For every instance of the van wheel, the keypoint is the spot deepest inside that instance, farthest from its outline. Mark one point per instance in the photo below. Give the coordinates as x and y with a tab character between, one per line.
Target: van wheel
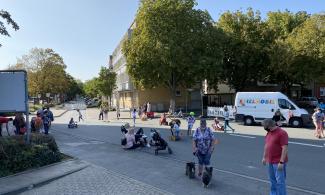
295	122
248	120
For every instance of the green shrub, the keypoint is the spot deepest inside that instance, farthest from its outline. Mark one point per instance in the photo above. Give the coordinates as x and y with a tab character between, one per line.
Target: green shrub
16	156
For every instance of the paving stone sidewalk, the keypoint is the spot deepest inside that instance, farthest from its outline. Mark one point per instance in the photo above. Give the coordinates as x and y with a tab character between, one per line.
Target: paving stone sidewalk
95	180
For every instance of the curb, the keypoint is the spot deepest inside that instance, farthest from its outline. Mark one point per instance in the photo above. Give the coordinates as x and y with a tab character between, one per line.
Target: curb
28	186
62	113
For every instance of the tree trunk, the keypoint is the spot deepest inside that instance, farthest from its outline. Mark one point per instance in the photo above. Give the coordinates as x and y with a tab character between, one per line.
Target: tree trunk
173	94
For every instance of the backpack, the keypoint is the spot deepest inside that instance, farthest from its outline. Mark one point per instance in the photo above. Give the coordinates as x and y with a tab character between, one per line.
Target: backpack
38	123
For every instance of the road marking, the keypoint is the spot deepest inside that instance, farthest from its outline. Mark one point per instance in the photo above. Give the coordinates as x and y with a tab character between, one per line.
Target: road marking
266	181
220	170
304	144
245	136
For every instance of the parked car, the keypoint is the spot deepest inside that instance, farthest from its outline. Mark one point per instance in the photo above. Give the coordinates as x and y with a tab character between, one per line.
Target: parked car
93	103
307	102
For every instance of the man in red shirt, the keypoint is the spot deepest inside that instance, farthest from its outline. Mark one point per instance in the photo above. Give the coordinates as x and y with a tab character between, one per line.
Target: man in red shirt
276	155
4	120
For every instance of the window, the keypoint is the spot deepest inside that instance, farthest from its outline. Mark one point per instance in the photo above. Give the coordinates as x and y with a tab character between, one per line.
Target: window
285	104
322	91
178	93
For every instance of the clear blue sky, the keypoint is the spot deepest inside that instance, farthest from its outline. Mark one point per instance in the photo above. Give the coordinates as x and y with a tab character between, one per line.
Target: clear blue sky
85	32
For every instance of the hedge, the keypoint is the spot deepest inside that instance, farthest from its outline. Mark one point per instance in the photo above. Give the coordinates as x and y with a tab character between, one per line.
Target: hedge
16	156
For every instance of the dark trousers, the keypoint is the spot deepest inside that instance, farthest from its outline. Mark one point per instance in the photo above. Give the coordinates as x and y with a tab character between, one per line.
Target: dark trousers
46	128
227	125
101	116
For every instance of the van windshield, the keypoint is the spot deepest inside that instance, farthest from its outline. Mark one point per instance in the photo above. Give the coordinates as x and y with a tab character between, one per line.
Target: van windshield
285	104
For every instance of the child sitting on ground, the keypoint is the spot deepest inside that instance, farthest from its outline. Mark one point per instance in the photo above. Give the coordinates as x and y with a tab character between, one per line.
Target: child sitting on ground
72	124
217	126
163	120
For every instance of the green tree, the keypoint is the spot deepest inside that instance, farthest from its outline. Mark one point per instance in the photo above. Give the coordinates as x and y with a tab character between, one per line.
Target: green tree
6	17
296	52
172	45
281	24
75	87
46	72
245	48
91	88
106	82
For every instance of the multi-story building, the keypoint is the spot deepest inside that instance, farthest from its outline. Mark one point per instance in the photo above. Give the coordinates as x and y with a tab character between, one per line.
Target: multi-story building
127	96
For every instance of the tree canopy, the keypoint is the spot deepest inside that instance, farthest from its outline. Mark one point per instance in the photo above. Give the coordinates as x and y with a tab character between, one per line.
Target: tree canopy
5	17
46	73
172	45
245	48
106	81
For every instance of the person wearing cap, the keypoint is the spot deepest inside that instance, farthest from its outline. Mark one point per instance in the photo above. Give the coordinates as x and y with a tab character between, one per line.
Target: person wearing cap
276	156
203	145
190	123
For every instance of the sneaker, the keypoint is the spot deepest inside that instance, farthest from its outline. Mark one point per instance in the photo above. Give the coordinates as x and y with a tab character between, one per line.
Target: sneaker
148	145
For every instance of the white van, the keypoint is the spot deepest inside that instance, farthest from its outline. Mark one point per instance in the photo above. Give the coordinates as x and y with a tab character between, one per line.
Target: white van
254	107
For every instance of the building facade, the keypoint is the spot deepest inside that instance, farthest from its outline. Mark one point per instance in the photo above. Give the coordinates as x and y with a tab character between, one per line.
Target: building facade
127	96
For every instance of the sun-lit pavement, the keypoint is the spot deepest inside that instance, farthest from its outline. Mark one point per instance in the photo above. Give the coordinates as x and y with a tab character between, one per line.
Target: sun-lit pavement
237	159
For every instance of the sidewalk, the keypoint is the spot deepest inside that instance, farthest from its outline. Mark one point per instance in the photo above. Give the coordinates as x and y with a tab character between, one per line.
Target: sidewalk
96	180
22	181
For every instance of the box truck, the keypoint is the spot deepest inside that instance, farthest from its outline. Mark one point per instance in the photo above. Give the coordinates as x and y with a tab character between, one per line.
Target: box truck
254	107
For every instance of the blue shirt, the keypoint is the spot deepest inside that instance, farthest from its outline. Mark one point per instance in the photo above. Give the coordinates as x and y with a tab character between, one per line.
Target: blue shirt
191	120
204	139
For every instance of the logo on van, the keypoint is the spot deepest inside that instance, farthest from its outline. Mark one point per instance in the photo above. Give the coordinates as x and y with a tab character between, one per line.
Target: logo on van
243	102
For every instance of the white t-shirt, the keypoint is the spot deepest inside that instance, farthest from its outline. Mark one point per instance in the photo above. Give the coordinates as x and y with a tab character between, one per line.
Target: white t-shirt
226	115
134	114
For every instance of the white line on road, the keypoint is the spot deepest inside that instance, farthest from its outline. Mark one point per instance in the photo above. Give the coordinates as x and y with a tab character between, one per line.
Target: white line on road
304	144
245	136
266	181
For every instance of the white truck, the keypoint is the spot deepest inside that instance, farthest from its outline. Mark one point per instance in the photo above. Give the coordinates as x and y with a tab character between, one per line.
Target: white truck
254	107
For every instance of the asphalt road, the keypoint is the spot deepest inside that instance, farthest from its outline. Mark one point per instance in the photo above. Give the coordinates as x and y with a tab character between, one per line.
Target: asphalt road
237	160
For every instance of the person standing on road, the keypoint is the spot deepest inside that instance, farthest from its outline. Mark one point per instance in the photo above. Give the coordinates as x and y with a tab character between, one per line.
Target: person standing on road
226	115
148	107
50	116
80	115
318	118
276	156
46	122
190	123
118	114
101	113
203	145
134	115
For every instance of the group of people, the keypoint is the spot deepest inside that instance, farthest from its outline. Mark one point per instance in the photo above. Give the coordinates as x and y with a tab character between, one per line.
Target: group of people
19	123
42	121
